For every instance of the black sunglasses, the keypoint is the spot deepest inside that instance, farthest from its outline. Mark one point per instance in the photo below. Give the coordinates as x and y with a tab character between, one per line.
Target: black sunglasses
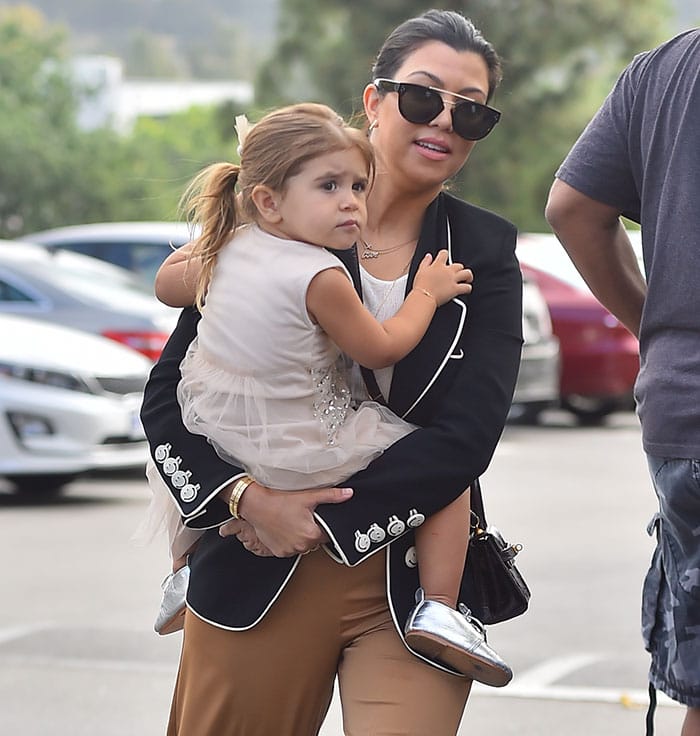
418	104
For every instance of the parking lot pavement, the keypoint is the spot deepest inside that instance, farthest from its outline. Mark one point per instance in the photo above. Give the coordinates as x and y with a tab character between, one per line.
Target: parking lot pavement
78	657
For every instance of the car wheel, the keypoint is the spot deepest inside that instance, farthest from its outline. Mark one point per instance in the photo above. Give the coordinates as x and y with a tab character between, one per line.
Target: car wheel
589	411
40	486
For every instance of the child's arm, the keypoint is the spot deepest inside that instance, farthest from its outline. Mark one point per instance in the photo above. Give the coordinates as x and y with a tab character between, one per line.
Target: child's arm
334	304
176	280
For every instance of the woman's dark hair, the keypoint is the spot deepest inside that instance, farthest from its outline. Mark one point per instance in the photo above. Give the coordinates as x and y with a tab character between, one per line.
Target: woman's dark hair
446	26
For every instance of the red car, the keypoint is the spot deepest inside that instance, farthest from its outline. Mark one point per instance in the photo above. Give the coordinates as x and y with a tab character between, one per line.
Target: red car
599	357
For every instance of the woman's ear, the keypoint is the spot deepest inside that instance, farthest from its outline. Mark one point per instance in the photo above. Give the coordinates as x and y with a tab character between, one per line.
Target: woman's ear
266	201
370	99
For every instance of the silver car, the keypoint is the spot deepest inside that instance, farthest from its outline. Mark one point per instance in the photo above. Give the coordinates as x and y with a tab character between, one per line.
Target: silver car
69	404
538	380
84	293
139	247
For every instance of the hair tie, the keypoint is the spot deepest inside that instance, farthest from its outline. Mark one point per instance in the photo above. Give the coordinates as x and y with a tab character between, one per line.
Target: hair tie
243	127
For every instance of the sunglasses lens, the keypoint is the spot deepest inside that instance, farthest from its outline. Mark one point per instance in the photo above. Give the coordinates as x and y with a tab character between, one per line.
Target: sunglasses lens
419	104
473	121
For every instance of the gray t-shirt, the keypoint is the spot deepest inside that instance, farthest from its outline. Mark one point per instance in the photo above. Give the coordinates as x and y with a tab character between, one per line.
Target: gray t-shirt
641	153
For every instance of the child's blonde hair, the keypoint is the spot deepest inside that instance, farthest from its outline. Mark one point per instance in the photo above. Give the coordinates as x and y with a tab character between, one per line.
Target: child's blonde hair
274	150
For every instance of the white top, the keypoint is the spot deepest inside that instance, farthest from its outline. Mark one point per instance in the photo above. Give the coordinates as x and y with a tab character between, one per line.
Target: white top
264	383
383	299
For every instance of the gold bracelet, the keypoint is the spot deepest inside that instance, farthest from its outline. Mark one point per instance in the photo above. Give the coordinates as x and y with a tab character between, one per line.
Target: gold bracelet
239	488
427	293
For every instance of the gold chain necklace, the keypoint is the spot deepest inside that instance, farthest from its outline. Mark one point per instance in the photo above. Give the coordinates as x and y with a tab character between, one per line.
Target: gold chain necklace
388	292
369	251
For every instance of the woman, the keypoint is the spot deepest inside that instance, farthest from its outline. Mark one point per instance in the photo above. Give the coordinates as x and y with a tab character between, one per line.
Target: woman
269	627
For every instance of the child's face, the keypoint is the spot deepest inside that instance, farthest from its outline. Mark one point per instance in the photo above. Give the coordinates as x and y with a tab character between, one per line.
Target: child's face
326	202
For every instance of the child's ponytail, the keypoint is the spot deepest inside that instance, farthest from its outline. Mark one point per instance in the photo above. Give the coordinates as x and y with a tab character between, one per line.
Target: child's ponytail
210	203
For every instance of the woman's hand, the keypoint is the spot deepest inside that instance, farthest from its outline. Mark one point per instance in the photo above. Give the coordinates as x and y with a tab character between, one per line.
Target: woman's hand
246	535
282	521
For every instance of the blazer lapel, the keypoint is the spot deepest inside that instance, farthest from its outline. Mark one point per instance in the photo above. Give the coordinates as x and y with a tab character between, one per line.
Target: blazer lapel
349	259
414	375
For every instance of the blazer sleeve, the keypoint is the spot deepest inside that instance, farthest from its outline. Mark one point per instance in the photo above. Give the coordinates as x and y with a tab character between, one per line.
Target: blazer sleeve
429	468
174	447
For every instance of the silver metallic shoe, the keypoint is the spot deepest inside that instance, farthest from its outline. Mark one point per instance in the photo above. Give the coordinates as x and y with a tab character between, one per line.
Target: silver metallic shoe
456	639
171	616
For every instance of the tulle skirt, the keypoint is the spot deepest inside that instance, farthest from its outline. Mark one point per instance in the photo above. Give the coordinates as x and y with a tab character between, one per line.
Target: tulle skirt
288	431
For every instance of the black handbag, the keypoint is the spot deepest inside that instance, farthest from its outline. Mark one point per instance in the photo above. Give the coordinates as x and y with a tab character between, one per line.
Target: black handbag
493	588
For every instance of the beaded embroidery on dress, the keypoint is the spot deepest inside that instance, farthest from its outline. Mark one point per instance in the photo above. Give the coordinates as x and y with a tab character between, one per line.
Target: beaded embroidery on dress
265	384
333	400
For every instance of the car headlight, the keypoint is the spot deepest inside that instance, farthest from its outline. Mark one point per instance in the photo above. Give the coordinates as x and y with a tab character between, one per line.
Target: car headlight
57	379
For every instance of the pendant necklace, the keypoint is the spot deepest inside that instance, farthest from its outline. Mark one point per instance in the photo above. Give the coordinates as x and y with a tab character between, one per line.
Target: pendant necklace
369	251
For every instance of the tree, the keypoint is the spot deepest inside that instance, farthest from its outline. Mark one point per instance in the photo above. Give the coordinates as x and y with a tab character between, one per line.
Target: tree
52	172
174	149
559	56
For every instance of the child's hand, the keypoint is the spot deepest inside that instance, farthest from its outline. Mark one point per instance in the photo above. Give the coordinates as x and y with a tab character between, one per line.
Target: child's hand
441	280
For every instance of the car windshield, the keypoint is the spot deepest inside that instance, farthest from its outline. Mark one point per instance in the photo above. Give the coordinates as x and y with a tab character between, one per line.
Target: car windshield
87	279
94	280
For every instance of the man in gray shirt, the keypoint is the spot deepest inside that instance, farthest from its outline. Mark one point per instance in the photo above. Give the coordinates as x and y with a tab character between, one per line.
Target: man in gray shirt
640	157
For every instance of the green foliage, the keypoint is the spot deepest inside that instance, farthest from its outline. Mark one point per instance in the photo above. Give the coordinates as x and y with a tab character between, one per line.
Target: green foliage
559	56
54	174
174	149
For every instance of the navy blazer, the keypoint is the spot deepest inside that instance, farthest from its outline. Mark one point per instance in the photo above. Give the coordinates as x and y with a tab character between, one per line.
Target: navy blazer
456	385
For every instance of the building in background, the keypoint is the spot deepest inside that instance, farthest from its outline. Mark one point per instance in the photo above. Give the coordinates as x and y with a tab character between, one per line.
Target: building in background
107	99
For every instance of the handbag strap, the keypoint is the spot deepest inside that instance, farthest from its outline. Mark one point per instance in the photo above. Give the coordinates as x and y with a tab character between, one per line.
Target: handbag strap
373	389
477	503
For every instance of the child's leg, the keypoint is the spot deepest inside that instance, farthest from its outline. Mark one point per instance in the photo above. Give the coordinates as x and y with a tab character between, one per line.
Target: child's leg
441	548
180	562
435	627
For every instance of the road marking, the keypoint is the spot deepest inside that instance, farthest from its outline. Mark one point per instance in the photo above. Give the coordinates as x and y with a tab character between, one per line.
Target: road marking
554	669
80	663
628	698
536	684
19	632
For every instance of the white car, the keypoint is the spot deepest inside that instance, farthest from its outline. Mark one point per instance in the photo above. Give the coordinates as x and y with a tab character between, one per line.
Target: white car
69	404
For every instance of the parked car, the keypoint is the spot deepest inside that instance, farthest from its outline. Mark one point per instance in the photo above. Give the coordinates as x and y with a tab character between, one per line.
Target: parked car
537	387
599	356
137	246
69	403
77	291
142	247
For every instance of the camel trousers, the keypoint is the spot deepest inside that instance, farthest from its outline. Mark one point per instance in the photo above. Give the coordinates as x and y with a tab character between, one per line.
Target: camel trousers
277	678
